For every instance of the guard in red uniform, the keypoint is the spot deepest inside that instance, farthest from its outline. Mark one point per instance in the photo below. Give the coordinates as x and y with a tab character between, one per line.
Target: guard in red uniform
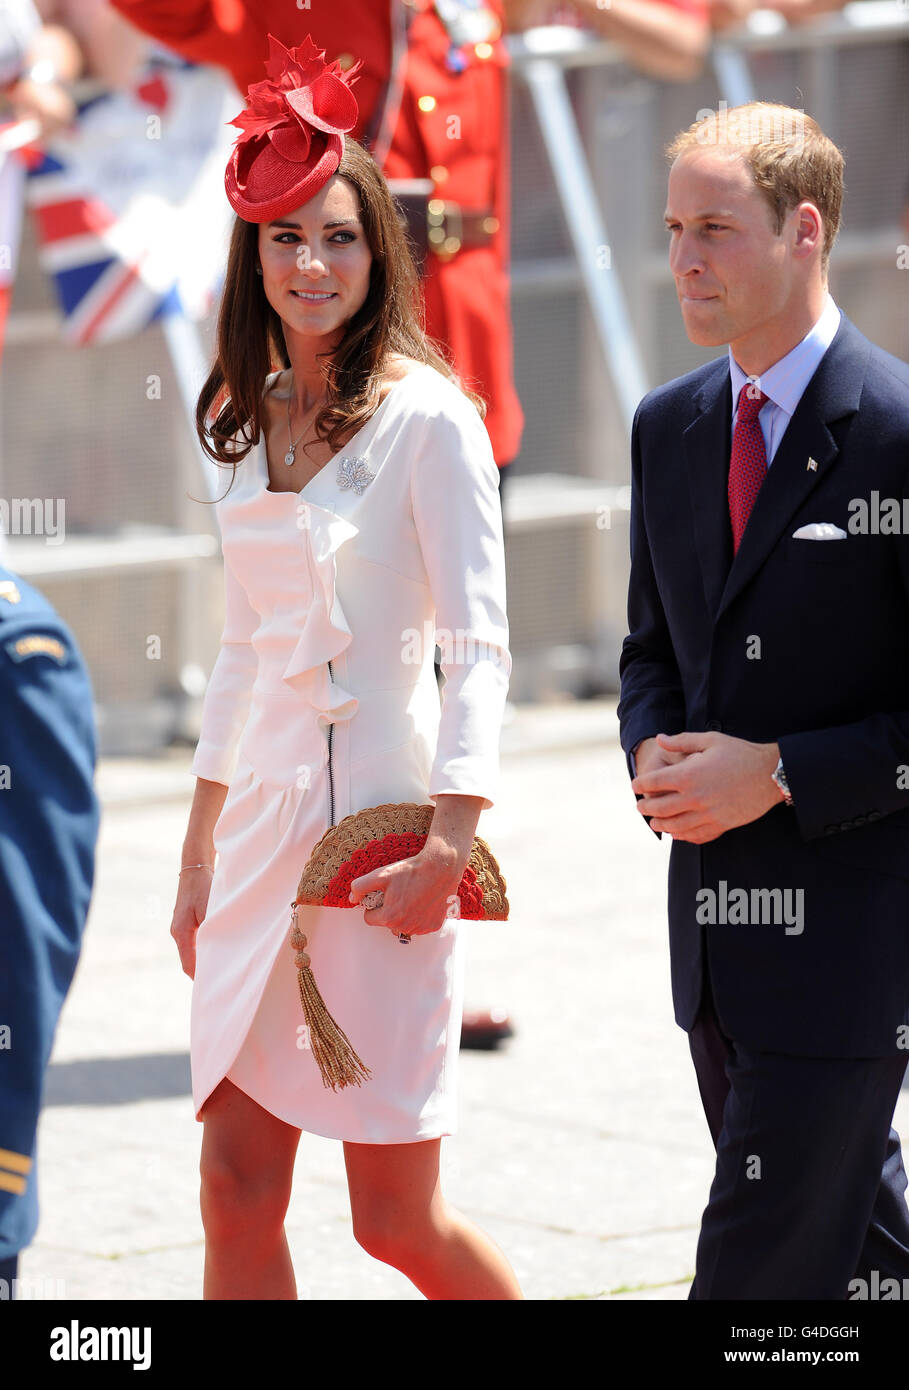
433	101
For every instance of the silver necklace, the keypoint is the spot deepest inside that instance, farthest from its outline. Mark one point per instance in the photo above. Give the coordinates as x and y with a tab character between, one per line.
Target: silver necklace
292	444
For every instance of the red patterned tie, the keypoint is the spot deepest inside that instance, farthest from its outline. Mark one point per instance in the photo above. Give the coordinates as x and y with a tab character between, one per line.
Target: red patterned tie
748	463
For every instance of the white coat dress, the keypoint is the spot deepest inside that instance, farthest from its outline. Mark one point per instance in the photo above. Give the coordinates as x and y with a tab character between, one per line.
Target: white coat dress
397	536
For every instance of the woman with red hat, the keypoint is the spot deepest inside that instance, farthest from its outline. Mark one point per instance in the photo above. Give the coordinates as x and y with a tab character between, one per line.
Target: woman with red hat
361	521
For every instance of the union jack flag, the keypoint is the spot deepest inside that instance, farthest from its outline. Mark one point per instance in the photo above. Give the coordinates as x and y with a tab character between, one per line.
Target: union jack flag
129	203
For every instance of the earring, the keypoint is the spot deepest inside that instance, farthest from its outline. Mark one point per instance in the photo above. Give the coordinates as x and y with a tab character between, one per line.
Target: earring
258	270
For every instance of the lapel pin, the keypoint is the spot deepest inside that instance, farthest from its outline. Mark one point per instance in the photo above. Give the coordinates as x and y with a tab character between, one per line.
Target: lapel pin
812	465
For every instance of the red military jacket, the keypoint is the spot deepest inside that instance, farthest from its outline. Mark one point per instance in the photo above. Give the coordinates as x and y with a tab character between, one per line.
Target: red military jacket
452	127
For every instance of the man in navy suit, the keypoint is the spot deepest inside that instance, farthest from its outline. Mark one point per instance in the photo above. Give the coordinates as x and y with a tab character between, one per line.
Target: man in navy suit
765	715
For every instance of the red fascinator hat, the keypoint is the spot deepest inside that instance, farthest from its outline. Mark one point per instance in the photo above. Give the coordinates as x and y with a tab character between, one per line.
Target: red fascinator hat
292	132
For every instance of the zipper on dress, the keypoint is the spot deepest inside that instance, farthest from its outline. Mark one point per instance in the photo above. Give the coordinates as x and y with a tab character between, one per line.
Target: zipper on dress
331	783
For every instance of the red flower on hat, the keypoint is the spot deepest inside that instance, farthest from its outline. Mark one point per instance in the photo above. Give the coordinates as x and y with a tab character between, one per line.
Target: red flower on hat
292	132
302	93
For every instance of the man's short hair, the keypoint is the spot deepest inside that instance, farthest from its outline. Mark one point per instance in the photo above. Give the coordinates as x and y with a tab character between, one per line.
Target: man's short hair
790	157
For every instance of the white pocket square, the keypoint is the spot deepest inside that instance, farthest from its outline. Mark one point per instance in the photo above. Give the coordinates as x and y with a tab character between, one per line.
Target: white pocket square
819	531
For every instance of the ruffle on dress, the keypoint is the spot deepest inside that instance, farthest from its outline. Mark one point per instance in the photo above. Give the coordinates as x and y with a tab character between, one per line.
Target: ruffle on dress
326	632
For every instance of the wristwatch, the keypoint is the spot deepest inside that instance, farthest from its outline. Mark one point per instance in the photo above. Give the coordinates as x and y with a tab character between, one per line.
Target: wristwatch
779	776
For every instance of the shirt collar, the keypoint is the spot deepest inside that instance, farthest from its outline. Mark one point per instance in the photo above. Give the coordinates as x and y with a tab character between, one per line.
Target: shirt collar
786	380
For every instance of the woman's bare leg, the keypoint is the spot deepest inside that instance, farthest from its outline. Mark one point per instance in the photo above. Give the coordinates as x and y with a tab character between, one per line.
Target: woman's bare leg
401	1218
247	1168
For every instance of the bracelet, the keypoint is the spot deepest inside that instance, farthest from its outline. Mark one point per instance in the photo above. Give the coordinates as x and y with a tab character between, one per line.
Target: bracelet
196	866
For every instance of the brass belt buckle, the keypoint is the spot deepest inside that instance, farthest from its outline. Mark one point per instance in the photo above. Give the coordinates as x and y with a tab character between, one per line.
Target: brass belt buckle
446	228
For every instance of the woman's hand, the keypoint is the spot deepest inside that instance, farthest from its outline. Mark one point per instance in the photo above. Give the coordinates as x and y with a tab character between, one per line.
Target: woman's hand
45	102
55	49
194	883
420	892
192	903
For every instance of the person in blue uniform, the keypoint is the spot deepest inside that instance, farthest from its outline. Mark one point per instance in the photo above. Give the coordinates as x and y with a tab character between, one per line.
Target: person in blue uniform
49	819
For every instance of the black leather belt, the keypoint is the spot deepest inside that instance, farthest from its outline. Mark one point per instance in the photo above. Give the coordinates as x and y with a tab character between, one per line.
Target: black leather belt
438	225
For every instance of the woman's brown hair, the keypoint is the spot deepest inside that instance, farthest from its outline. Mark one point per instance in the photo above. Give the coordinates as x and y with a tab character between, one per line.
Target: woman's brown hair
251	338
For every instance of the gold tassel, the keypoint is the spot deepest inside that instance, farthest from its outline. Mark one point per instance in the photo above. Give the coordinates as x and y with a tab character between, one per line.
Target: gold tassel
335	1057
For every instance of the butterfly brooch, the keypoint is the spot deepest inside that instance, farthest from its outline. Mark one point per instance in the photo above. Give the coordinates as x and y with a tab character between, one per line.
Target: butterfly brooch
352	472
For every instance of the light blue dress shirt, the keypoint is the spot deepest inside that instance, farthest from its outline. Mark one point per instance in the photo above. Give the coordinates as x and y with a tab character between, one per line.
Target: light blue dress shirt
784	383
786	380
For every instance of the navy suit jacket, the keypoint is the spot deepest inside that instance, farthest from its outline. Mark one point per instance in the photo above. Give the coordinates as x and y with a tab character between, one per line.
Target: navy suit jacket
830	684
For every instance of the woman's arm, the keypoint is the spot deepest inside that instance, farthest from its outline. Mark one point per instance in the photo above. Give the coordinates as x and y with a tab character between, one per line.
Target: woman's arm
234	38
454	824
661	40
110	47
197	866
224	714
422	891
225	708
50	60
198	842
458	519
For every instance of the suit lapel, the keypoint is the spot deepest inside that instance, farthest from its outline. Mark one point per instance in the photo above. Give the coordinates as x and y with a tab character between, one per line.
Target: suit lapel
833	392
706	442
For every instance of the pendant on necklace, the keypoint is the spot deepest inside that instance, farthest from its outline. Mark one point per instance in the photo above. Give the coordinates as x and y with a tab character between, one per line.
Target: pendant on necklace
289	458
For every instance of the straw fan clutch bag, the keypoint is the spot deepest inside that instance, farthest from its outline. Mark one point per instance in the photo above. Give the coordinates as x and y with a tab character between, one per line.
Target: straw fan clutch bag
356	845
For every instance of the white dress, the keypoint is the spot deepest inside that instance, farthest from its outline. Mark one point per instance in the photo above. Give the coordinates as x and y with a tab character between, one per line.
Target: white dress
398	535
